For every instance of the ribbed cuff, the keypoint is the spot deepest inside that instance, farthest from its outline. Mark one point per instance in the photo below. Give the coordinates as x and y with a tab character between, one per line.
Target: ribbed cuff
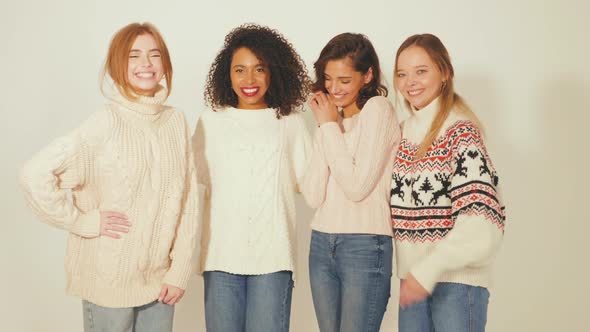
178	275
426	273
87	225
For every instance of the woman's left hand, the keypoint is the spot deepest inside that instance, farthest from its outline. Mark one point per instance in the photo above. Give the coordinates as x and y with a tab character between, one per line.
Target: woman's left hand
170	294
323	108
410	291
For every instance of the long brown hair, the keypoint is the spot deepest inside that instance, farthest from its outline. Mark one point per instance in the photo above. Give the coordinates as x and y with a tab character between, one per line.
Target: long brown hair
361	52
449	100
117	61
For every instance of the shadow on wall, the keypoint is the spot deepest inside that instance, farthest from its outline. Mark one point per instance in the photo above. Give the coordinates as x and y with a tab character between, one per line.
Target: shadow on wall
536	144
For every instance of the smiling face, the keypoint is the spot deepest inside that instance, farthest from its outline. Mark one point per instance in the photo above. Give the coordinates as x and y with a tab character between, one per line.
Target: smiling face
144	69
418	78
343	83
250	79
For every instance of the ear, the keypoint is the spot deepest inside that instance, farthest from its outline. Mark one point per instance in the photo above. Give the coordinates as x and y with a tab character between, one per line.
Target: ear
368	77
445	77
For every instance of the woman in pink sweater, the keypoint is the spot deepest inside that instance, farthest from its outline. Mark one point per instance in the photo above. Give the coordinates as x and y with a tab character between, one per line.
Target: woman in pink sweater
348	182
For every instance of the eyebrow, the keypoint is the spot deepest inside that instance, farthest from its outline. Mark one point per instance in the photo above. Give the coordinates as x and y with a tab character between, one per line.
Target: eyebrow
244	66
325	74
152	50
419	66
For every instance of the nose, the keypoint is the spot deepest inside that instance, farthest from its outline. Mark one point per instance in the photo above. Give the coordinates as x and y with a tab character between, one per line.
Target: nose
411	79
332	87
146	61
250	77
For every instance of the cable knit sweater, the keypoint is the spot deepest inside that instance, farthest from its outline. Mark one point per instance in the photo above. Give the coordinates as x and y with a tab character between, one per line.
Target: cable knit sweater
133	158
349	174
250	163
446	209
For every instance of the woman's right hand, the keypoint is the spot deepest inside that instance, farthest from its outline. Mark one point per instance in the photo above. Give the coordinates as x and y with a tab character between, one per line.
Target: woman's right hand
323	108
112	223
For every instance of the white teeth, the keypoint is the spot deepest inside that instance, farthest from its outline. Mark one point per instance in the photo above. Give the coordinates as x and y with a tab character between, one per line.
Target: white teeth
145	75
338	96
248	91
414	92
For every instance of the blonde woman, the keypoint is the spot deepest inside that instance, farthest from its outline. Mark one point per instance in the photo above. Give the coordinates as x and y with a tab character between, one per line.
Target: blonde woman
448	219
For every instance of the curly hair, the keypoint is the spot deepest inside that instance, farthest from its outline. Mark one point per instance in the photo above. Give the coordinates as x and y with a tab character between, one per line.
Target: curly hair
289	80
359	49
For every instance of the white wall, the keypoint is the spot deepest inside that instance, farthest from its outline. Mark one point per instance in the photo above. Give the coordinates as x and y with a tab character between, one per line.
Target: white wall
522	65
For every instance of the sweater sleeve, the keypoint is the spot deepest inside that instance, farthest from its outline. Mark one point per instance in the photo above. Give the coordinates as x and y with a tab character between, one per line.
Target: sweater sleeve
188	229
200	160
476	208
315	180
379	133
301	149
64	165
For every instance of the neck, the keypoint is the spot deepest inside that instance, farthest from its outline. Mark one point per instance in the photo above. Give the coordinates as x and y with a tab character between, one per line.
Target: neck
350	111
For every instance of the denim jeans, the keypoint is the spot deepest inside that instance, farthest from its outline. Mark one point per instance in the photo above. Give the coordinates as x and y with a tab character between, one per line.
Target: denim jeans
451	307
350	277
152	317
250	303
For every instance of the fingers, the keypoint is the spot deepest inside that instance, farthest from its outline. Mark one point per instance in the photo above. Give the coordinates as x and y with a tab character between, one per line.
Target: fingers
112	227
313	104
323	99
173	296
408	296
163	293
179	297
114	215
110	234
170	296
319	101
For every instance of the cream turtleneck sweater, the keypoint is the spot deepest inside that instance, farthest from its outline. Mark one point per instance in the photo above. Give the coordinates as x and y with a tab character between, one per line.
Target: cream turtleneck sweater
133	158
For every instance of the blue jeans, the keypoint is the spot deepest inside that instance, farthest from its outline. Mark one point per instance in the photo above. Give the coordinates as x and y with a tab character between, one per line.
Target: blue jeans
451	307
251	303
152	317
350	277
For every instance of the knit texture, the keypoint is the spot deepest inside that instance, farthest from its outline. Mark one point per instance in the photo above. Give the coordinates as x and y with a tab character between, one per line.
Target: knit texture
133	158
250	163
349	174
446	209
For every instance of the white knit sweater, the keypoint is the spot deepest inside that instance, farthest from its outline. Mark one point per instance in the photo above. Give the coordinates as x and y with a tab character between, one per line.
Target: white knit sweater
133	158
250	163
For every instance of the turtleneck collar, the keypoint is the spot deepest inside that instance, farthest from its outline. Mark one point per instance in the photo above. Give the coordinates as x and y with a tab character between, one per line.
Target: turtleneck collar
144	105
426	115
417	125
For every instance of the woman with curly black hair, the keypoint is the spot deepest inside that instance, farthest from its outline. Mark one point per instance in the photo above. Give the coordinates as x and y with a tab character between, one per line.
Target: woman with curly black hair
348	181
251	149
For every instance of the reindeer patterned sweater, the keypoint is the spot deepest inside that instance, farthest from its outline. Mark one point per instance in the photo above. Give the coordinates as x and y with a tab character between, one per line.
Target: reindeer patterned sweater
133	158
446	209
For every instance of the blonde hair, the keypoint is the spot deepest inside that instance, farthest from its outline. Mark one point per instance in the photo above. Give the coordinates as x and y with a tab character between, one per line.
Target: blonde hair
449	101
117	60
